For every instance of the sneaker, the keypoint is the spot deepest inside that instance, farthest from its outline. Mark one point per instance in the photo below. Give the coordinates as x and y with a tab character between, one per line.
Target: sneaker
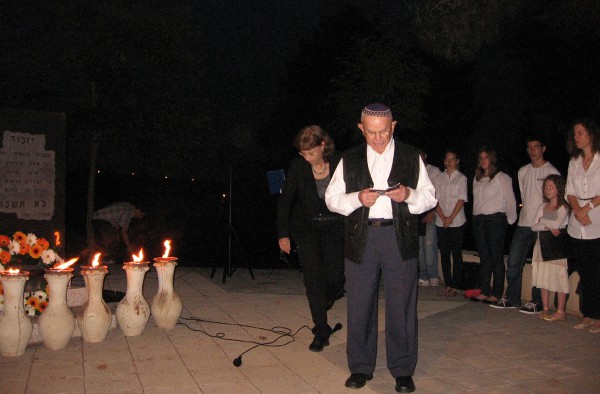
503	303
531	308
423	282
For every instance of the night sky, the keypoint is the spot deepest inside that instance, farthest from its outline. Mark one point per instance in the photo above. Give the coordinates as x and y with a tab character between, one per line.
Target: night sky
186	88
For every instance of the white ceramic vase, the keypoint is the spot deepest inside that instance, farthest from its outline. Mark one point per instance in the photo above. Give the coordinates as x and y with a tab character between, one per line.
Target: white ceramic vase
133	311
15	325
166	305
94	321
57	323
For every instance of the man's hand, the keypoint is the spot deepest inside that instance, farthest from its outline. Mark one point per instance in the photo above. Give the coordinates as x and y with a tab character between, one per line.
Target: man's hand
367	197
555	232
284	245
400	194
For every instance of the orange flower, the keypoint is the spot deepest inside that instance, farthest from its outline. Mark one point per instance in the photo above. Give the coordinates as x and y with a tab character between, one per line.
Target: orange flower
4	240
33	302
42	306
20	237
43	243
35	251
4	257
24	248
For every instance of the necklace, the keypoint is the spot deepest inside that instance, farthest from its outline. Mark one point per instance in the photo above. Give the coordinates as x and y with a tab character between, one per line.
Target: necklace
586	166
319	173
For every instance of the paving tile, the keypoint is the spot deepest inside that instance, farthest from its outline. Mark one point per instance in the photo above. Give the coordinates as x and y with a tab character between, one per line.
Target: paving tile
291	385
463	347
104	368
548	386
166	379
51	384
228	388
475	381
218	375
113	382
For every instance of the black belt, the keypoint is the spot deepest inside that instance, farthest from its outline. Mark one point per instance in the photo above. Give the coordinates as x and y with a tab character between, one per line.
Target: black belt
381	223
320	218
585	199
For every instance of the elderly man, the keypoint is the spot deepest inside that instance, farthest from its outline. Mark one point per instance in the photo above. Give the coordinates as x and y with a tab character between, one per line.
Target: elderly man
381	187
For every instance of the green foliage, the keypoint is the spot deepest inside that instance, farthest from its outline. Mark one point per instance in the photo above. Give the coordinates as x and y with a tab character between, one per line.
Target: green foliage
382	68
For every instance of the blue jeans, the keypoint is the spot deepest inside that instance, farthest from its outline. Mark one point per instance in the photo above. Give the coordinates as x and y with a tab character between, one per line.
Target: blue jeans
489	232
428	253
520	245
450	244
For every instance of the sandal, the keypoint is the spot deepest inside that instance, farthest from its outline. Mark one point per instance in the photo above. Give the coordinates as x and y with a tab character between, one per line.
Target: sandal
558	316
584	324
595	329
545	313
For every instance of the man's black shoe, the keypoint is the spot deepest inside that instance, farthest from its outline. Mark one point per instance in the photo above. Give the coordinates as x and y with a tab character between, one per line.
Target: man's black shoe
357	380
405	384
318	344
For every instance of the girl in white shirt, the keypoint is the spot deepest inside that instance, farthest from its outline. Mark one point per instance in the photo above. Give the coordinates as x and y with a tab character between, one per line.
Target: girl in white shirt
494	208
549	262
451	193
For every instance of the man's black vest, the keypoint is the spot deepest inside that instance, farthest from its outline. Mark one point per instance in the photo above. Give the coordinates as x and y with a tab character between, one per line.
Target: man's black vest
405	169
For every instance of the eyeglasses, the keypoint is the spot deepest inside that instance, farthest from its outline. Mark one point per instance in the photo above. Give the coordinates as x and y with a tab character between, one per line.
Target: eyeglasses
310	152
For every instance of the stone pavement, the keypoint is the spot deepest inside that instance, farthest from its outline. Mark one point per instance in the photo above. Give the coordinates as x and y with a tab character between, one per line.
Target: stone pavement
463	347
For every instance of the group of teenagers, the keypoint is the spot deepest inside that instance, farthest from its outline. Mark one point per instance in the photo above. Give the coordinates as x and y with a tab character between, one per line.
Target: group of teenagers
558	218
354	219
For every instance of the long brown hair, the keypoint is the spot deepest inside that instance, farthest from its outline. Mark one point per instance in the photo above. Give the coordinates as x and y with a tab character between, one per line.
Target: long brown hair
313	136
592	128
492	158
560	183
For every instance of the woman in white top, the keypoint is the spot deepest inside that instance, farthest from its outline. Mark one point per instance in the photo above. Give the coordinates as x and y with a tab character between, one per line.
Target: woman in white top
583	194
451	193
494	208
549	262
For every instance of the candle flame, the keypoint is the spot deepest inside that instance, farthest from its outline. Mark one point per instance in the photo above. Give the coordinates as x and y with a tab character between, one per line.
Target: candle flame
57	235
96	262
66	264
13	271
139	257
167	248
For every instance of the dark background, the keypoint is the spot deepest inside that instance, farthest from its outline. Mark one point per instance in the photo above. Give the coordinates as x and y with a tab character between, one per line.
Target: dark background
179	92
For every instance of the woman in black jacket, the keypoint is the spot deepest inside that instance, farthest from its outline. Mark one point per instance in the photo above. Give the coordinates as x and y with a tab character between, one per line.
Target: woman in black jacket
318	233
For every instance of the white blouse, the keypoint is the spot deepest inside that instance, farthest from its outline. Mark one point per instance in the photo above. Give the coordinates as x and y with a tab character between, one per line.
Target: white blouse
541	223
585	186
495	196
448	190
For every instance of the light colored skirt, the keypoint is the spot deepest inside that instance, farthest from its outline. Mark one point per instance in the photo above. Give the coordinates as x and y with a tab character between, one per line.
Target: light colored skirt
550	275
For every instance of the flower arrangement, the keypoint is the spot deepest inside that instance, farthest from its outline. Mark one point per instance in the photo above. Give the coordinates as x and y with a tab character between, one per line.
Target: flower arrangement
27	249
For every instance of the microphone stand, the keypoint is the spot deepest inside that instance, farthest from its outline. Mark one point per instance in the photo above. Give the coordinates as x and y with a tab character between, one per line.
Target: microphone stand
228	270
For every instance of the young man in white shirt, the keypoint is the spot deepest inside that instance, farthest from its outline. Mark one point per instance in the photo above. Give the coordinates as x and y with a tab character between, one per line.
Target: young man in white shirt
531	178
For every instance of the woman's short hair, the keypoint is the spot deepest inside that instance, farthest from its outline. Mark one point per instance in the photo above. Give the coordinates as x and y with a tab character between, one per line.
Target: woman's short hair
312	136
493	159
592	128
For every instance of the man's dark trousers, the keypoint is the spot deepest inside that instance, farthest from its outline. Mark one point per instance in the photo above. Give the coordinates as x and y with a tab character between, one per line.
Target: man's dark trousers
400	285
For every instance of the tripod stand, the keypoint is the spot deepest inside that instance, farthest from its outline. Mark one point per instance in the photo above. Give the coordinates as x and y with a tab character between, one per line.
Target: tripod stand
229	269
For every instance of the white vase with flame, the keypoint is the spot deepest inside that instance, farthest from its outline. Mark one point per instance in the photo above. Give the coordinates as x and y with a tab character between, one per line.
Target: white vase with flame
57	323
133	311
166	305
15	325
94	321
